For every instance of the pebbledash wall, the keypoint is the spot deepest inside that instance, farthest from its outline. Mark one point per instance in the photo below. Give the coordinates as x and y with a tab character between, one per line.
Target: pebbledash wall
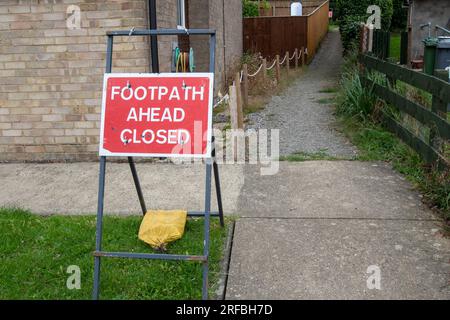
51	76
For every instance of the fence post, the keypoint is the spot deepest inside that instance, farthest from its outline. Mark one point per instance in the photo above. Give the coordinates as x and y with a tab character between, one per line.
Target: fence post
287	62
240	112
303	58
404	48
245	85
264	69
277	69
440	108
233	107
370	40
296	58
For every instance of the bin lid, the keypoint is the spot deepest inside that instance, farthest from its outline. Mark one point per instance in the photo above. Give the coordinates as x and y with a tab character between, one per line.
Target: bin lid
430	42
443	42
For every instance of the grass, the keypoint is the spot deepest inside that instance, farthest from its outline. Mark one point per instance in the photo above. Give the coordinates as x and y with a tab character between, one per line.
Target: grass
329	90
36	252
306	156
395	46
325	101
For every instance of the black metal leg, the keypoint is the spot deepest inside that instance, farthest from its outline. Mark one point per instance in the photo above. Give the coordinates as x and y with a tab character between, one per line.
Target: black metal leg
218	193
206	231
217	182
98	241
137	184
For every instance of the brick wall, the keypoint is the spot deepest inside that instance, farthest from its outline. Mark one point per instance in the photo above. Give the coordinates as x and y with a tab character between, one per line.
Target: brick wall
51	76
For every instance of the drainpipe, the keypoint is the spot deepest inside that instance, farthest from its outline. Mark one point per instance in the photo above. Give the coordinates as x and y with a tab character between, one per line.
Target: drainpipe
153	39
224	45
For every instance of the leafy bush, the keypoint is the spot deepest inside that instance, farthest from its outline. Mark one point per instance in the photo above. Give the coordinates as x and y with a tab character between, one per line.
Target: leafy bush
350	31
400	16
354	12
250	8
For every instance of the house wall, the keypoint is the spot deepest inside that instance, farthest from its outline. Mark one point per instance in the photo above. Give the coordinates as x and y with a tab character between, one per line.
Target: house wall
51	76
423	11
211	14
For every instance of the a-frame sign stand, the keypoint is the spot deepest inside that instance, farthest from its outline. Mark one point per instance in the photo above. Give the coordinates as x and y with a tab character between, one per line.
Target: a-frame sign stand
211	168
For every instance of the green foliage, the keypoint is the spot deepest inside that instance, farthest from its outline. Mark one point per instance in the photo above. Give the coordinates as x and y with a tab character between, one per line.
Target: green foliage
353	99
306	156
350	31
250	8
36	252
352	13
395	47
400	16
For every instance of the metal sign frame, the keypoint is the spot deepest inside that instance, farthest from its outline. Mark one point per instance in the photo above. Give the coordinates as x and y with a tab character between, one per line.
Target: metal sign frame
207	154
211	168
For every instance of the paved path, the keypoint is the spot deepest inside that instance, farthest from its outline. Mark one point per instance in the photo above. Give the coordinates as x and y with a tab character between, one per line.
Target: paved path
72	188
313	230
306	123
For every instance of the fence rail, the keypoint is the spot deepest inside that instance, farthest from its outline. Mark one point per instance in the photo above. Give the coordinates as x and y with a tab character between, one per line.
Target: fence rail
238	93
435	119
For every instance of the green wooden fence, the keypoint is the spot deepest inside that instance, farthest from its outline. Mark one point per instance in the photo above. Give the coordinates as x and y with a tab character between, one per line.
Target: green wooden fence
381	44
435	119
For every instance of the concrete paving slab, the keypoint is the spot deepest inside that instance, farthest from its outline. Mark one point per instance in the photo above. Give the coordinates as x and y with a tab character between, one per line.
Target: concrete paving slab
72	188
329	259
333	189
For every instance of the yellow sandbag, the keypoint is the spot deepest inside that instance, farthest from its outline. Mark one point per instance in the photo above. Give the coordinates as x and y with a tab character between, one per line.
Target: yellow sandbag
158	228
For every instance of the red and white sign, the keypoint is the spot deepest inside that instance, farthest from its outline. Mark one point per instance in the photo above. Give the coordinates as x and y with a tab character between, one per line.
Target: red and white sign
157	115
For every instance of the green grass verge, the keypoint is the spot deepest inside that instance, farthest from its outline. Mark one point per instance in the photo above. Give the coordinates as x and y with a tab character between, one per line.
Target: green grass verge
305	156
36	251
395	46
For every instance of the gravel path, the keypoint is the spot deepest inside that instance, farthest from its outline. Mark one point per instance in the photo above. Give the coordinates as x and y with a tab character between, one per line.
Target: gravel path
305	124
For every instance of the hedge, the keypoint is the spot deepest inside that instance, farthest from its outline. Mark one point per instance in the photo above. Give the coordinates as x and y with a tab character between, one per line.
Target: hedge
354	12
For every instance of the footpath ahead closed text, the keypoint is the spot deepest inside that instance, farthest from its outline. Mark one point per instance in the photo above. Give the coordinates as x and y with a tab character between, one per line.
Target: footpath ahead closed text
157	115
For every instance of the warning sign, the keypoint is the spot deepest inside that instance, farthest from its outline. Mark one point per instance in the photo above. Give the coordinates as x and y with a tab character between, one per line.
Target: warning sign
157	115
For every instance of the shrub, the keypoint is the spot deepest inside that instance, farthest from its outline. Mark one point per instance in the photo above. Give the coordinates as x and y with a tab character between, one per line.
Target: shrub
400	16
250	8
354	100
350	31
354	12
